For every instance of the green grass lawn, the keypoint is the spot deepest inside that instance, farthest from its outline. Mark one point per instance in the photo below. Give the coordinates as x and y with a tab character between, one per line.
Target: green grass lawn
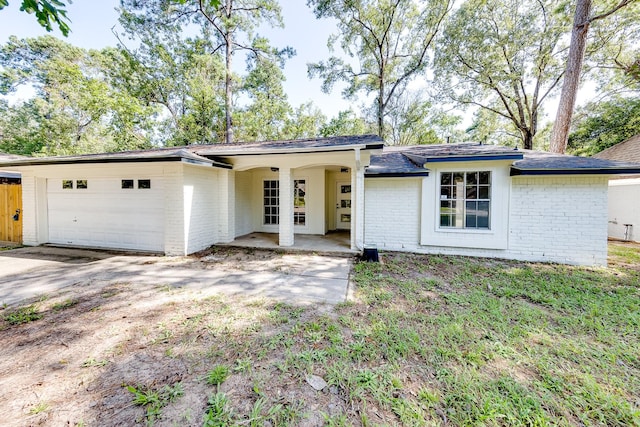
437	340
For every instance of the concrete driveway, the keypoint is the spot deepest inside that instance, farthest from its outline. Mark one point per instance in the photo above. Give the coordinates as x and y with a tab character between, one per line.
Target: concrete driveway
27	273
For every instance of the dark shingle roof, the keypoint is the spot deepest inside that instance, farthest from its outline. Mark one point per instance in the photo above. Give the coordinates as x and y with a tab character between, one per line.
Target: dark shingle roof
392	163
302	145
156	155
210	154
542	163
411	160
626	151
4	157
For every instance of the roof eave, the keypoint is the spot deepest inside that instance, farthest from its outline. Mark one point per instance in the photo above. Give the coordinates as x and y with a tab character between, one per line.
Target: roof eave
284	150
473	158
396	174
576	171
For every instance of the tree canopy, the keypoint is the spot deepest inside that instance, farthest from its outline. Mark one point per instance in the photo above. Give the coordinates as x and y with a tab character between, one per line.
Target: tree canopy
387	42
78	108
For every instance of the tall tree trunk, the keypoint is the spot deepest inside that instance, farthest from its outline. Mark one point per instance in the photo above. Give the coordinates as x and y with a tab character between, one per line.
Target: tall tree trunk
560	133
228	93
527	138
381	109
228	89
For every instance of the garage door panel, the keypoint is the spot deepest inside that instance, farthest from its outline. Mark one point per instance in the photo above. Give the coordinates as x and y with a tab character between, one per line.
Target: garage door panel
106	215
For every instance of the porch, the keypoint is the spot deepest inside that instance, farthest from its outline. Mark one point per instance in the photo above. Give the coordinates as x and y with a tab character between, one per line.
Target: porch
332	242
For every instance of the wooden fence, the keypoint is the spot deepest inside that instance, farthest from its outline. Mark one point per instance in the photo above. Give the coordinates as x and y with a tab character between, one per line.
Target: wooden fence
11	213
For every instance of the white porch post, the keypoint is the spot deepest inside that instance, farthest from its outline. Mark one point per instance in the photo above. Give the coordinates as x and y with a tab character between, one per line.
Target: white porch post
285	228
357	208
226	206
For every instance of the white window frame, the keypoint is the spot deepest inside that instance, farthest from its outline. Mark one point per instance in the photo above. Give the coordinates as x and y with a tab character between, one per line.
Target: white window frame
462	199
497	237
270	205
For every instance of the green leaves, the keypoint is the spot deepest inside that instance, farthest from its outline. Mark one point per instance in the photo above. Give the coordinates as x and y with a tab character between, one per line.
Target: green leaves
79	105
48	12
388	41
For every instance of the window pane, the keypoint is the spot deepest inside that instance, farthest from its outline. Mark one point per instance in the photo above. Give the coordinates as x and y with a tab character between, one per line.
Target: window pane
67	184
472	178
445	179
485	177
445	192
81	184
472	192
484	193
445	221
127	183
458	177
144	183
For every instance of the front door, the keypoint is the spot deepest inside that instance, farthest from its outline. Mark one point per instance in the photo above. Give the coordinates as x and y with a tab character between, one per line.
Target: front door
343	205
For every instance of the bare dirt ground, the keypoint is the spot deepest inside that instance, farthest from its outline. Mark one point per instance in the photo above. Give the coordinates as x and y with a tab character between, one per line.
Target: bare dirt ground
72	365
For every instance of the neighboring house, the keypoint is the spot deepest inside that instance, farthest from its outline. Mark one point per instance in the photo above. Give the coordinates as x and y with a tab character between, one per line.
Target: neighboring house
457	199
624	192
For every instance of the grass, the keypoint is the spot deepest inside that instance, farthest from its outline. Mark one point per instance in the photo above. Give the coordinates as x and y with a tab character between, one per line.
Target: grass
22	315
463	341
429	340
154	400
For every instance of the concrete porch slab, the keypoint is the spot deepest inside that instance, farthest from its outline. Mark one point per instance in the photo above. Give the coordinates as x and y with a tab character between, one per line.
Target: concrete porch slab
332	242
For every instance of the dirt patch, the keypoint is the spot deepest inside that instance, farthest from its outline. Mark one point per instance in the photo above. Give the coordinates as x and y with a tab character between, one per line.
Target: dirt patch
94	339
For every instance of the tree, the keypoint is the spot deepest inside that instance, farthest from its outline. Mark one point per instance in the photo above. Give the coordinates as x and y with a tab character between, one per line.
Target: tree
228	26
581	22
266	116
48	12
347	123
387	39
505	57
75	110
598	126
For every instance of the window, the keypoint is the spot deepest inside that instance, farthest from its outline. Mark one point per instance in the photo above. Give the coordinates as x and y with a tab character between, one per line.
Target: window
67	184
465	199
81	184
271	202
144	183
127	183
299	202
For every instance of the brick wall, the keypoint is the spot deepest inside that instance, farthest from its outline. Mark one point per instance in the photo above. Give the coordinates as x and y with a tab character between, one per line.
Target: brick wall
392	213
551	219
201	218
559	219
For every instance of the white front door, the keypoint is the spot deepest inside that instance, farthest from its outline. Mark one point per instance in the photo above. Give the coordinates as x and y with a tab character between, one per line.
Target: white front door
343	211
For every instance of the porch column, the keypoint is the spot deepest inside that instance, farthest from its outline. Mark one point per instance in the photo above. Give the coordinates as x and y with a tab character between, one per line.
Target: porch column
285	228
226	206
357	208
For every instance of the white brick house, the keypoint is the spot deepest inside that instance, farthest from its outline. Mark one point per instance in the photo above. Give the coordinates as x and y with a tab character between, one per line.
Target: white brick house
459	199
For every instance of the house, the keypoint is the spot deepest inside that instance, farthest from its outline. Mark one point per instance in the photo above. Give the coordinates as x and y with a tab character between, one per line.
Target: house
624	192
465	199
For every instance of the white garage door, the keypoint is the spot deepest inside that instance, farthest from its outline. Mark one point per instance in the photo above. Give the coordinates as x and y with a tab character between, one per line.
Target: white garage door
107	212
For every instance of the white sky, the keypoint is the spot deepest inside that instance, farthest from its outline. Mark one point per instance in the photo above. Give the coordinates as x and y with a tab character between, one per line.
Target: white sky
92	20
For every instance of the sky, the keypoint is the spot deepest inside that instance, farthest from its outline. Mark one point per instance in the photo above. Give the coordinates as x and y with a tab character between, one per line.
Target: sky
92	21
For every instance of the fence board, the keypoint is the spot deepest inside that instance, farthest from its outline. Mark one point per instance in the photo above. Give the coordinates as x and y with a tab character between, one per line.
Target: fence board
10	202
